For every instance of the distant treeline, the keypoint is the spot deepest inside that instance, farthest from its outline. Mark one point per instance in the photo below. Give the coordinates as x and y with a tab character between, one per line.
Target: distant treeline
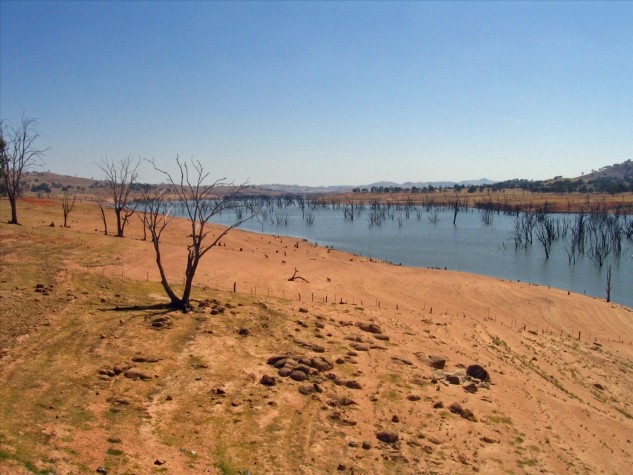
596	185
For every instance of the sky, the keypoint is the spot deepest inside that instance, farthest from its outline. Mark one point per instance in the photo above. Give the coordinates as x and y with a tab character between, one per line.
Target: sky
320	93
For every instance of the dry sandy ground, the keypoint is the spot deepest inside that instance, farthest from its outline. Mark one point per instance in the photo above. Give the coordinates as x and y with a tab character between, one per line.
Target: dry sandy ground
194	401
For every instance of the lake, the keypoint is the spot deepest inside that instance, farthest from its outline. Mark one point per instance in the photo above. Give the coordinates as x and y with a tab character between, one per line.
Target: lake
468	246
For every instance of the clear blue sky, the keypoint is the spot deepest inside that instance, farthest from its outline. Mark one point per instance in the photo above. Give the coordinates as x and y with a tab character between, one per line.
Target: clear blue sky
319	93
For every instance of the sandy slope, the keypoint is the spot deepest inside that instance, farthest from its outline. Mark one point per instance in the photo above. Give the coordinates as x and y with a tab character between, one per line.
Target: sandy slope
543	412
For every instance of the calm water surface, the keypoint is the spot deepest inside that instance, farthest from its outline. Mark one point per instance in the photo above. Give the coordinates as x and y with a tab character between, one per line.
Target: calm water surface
469	246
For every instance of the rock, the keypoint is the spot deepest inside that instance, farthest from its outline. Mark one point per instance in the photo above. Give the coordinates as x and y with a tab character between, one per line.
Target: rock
303	310
438	405
598	386
353	385
268	380
360	347
401	361
476	371
135	374
382	337
102	470
437	362
489	440
244	332
387	437
366	445
341	467
283	372
470	387
453	379
303	368
395	418
298	375
370	327
145	359
413	397
321	364
306	390
160	462
274	359
107	372
120	368
456	408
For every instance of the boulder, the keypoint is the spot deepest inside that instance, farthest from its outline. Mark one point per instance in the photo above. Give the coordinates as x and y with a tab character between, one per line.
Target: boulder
387	437
478	372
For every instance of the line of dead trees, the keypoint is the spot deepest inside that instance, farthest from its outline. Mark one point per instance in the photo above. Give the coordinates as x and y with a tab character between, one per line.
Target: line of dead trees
596	233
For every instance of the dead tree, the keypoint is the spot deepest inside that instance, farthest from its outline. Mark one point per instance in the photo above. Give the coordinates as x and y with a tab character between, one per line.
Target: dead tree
68	204
609	284
457	204
121	176
200	203
101	203
296	277
18	154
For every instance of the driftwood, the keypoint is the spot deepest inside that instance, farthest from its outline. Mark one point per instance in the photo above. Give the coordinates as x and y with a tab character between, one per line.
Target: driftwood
297	277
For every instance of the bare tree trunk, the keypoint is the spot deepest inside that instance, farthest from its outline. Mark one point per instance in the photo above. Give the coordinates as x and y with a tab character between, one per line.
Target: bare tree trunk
14	209
103	217
609	284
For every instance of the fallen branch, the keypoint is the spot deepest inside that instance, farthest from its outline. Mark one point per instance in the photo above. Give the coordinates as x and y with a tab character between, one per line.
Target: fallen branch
297	277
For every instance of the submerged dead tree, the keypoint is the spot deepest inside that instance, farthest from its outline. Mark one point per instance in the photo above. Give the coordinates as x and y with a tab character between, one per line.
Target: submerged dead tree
200	202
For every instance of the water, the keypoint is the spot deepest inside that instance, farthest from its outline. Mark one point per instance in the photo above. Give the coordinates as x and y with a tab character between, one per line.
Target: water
469	246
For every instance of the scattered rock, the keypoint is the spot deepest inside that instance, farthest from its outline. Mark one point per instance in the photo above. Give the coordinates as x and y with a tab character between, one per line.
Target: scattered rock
303	310
453	379
360	347
476	371
395	418
366	445
243	332
353	385
413	397
136	374
145	359
438	405
370	327
160	462
598	386
489	440
298	376
268	380
437	362
283	372
456	408
306	390
387	437
381	337
102	470
401	361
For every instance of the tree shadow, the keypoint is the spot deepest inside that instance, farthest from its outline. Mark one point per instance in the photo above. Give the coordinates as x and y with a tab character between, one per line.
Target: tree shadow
153	310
